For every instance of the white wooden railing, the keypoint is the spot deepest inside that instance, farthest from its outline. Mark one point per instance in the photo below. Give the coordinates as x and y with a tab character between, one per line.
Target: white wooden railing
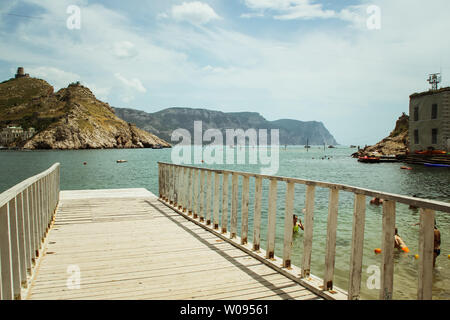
184	189
26	213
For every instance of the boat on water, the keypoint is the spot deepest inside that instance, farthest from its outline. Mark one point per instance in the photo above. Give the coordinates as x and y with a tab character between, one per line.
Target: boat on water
431	152
367	159
436	165
121	161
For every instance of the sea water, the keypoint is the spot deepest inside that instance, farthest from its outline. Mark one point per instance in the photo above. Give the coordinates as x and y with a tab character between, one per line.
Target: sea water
329	165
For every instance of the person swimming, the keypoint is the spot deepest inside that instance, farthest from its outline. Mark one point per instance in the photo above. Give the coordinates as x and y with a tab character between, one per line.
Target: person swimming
376	201
297	224
399	243
437	243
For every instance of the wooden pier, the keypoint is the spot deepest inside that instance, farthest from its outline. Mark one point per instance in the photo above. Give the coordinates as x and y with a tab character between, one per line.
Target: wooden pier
130	244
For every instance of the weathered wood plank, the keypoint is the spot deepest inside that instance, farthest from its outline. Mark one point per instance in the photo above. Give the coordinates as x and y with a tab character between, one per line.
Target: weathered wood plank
244	209
224	223
14	246
6	257
202	196
387	265
272	218
288	224
216	200
308	237
426	247
208	198
234	205
257	214
330	250
356	258
150	263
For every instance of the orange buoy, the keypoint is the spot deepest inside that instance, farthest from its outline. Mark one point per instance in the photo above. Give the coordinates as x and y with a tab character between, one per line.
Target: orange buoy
405	249
377	251
85	163
416	256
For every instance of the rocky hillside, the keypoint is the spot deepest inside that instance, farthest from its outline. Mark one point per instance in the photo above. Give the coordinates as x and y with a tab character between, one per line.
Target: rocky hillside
162	123
71	118
395	144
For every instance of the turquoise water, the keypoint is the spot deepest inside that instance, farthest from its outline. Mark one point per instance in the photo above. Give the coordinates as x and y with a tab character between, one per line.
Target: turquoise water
102	171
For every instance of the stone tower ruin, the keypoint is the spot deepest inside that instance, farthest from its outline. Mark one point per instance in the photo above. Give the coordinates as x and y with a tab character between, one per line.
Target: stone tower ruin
21	73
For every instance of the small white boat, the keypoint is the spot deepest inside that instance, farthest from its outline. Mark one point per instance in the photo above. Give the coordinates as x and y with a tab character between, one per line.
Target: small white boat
121	161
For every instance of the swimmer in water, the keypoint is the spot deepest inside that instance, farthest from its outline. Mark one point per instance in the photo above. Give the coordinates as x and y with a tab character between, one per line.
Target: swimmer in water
297	224
399	243
437	243
376	201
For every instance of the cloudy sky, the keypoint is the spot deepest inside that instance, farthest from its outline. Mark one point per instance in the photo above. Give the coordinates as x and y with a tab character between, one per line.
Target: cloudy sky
299	59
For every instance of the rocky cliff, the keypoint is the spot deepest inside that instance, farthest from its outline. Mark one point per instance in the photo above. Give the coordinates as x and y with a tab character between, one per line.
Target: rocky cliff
71	118
395	144
162	123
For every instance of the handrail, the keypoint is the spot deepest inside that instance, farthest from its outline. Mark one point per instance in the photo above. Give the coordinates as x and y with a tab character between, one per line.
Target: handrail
26	213
178	188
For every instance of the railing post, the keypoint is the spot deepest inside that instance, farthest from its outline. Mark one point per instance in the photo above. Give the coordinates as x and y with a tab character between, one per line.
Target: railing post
191	185
272	216
6	256
208	198
180	188
225	203
172	184
20	214
330	251
387	266
160	180
234	204
216	200
185	189
257	215
202	196
41	212
356	258
288	224
28	229
36	219
426	247
309	226
15	253
196	182
244	209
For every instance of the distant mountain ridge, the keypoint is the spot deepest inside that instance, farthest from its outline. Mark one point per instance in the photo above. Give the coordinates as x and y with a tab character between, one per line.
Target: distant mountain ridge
164	122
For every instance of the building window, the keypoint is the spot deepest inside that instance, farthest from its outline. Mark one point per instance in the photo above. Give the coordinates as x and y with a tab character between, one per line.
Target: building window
434	111
416	114
434	136
416	136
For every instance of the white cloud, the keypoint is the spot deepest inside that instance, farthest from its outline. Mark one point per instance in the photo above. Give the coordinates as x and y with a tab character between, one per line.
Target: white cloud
134	83
57	77
292	9
124	49
196	13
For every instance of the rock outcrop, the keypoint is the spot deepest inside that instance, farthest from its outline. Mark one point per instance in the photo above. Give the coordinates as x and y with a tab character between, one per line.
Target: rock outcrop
71	118
395	144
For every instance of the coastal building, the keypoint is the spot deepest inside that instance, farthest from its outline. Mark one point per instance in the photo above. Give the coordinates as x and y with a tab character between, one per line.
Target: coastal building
429	124
21	73
15	133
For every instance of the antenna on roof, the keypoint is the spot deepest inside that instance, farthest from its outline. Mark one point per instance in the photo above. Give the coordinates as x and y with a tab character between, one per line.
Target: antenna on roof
434	79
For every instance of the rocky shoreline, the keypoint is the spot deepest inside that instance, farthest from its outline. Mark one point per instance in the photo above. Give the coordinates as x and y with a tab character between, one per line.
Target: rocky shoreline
396	144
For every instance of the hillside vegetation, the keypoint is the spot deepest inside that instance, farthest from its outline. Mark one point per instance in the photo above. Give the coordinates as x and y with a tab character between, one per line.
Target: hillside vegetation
71	118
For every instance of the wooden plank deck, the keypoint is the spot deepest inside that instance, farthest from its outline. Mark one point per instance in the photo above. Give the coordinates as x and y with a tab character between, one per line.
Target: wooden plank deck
128	245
